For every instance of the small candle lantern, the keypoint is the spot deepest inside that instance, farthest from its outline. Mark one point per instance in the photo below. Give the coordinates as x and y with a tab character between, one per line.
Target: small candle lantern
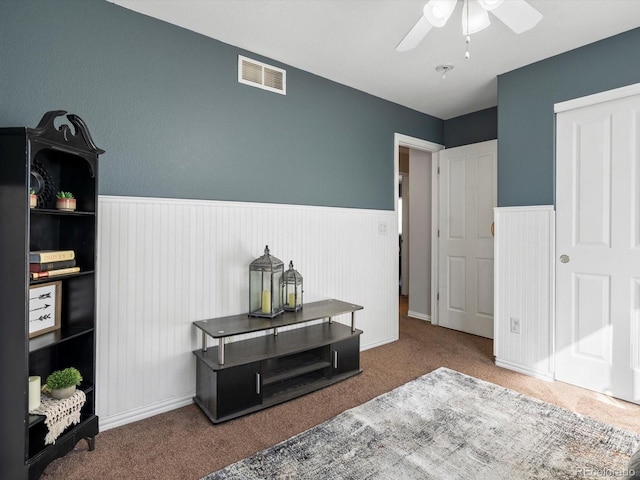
292	290
265	286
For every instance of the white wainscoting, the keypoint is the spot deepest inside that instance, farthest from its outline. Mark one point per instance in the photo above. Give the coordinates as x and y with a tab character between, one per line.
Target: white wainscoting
524	289
164	263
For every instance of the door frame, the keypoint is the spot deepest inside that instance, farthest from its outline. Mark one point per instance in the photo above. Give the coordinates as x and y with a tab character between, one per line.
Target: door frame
600	97
400	140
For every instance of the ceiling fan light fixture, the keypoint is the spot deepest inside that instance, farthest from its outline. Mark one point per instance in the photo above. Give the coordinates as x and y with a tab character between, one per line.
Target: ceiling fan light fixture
518	15
490	4
474	18
437	12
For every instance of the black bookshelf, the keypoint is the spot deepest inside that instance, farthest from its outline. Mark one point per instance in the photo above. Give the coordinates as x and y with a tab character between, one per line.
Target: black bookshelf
59	154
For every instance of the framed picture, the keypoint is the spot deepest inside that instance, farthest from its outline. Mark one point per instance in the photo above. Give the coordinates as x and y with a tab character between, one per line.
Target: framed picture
44	308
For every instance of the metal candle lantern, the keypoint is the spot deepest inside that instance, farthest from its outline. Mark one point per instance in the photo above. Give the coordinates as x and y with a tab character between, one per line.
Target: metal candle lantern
292	290
265	286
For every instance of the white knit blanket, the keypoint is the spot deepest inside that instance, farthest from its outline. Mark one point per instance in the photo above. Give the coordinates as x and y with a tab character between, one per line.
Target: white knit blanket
60	413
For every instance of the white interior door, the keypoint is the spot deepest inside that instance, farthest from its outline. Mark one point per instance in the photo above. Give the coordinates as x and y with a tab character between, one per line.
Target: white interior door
598	247
468	194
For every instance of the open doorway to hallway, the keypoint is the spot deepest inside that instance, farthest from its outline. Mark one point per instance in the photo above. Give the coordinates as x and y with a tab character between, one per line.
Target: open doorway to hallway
414	206
403	254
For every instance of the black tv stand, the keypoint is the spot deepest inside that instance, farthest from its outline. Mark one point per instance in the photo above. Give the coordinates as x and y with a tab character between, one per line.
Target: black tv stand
242	377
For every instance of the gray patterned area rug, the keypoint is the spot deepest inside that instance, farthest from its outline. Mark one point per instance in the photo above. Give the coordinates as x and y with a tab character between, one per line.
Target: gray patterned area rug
446	425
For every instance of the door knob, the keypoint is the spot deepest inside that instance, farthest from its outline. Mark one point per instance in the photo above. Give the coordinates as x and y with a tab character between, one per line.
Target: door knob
564	258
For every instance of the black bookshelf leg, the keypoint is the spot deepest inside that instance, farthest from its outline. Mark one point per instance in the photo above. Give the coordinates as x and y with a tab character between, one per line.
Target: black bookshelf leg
91	441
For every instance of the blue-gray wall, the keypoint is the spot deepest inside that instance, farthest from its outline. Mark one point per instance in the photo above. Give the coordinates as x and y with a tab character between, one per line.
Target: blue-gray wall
526	128
474	127
166	106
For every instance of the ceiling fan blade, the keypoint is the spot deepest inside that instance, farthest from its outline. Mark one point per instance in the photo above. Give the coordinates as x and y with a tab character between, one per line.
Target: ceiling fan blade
518	15
415	35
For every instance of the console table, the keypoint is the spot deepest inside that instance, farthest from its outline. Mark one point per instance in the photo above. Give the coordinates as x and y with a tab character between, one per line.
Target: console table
245	376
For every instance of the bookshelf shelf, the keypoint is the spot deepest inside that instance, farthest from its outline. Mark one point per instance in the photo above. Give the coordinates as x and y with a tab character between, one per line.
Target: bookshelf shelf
50	211
49	159
65	334
81	273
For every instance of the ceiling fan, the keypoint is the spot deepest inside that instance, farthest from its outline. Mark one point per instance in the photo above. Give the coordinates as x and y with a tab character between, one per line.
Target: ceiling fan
518	15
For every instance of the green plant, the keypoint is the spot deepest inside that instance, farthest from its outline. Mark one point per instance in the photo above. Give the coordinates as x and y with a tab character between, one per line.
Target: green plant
62	194
32	191
67	377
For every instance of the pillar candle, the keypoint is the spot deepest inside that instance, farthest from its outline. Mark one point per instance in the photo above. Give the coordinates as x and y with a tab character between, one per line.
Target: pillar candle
266	301
34	393
292	299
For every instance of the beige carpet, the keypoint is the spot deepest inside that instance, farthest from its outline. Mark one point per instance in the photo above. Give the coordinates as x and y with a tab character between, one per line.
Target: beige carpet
184	444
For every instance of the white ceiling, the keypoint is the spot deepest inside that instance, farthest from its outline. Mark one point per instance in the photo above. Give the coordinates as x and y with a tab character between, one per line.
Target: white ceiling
353	42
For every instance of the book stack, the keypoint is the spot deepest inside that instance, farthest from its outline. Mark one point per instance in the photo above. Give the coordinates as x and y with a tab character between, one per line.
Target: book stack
51	263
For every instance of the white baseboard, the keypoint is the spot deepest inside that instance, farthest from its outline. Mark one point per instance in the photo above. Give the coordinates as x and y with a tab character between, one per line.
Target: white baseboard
419	316
548	376
378	343
108	422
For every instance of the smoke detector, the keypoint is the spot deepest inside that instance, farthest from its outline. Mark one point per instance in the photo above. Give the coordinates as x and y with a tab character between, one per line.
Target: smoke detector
444	69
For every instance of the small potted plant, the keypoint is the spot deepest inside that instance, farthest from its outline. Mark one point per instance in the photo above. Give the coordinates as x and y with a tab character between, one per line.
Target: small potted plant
62	383
33	198
65	201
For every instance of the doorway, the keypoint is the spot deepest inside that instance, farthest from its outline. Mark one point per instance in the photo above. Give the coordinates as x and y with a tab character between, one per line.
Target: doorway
415	203
403	223
480	182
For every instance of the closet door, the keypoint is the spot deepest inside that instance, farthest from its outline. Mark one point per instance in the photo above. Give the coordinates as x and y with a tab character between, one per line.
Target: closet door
598	247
